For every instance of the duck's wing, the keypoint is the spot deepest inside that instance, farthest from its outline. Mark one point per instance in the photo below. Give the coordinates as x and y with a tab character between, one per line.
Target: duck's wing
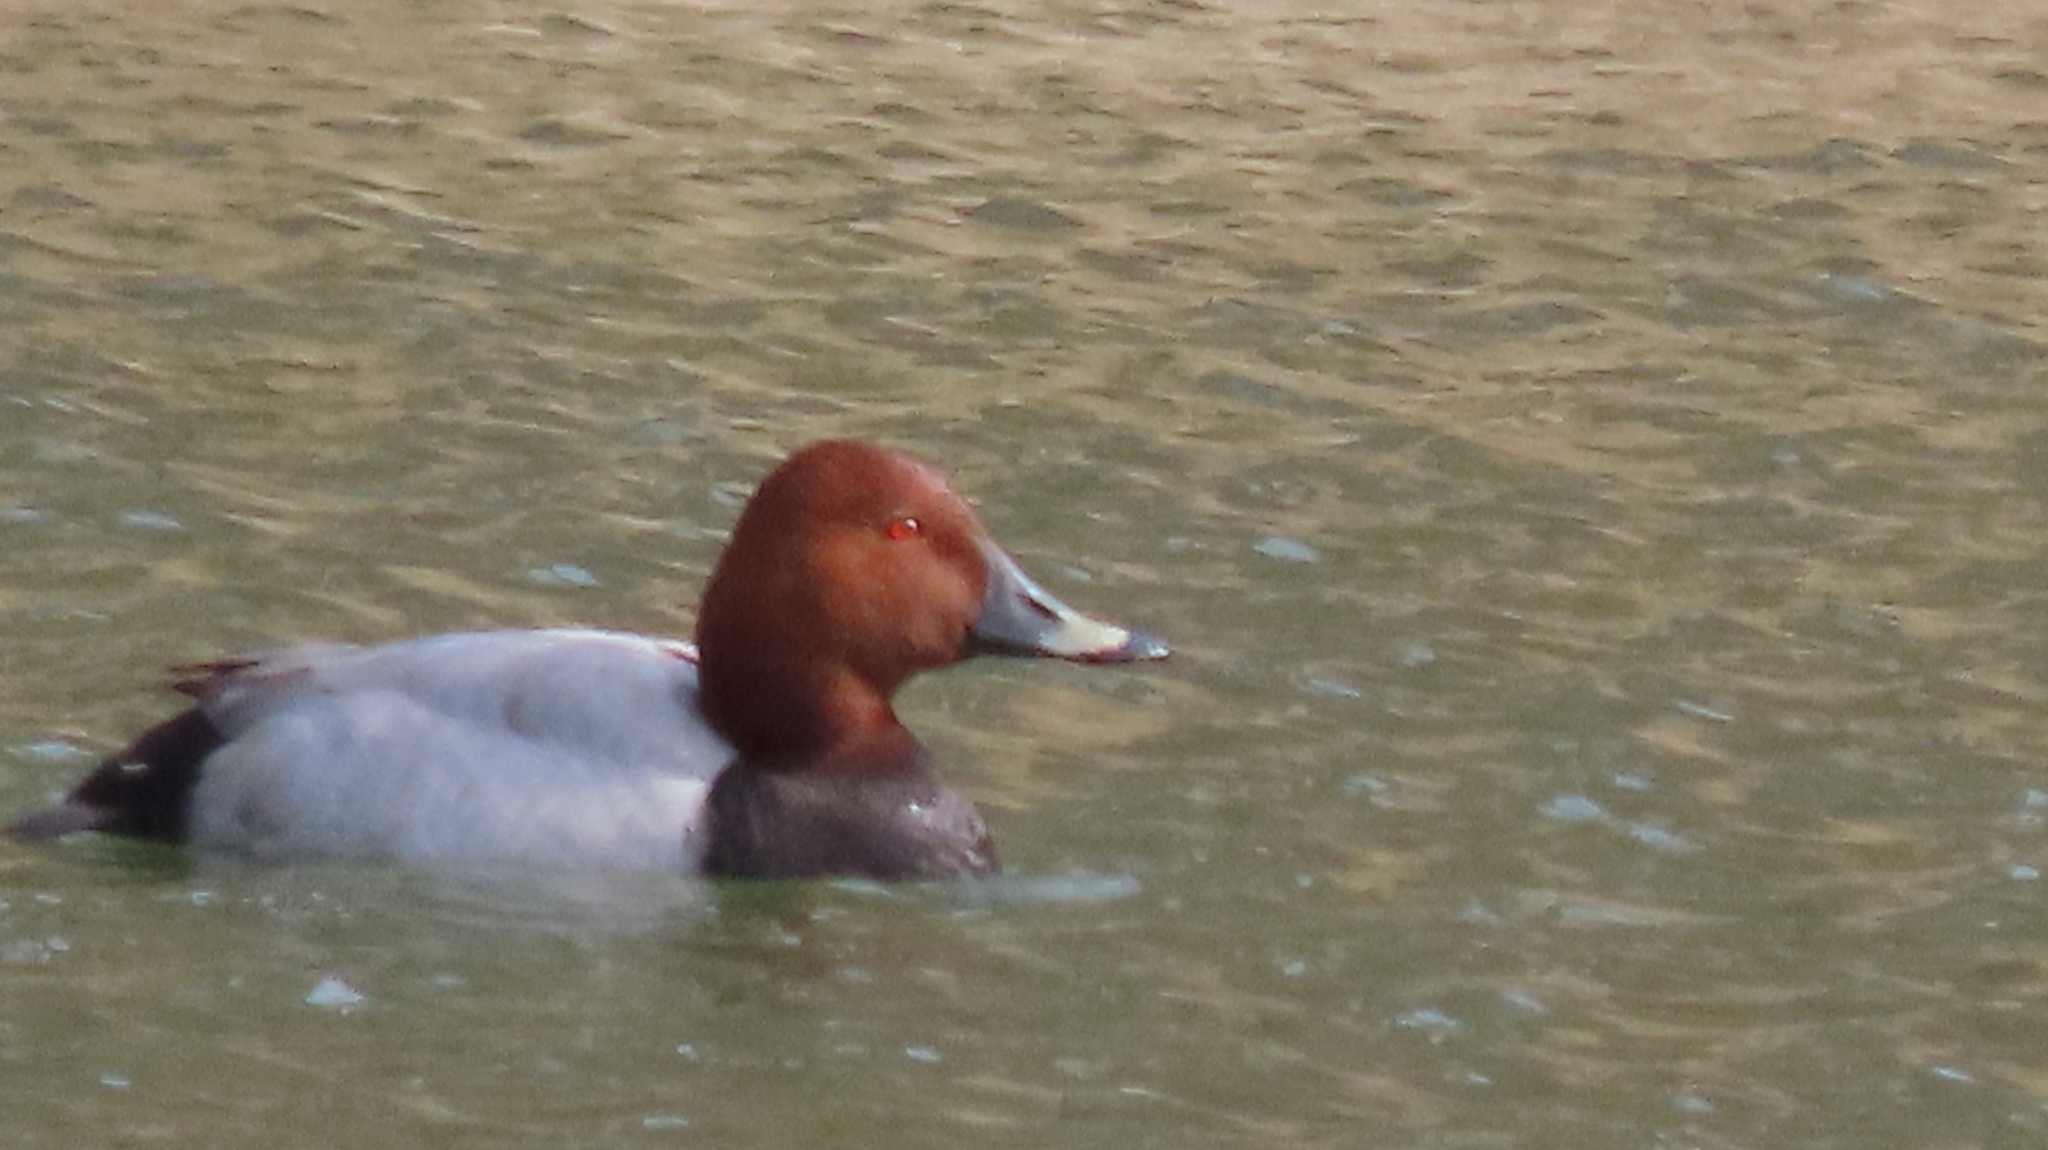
618	695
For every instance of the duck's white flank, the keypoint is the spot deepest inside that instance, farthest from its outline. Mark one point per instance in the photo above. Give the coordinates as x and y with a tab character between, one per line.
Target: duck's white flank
572	747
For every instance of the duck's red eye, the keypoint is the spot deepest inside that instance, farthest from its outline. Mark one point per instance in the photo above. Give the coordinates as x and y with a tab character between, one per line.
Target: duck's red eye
906	527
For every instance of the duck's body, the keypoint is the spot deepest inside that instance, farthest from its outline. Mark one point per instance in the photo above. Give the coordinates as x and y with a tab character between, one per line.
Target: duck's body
594	748
546	746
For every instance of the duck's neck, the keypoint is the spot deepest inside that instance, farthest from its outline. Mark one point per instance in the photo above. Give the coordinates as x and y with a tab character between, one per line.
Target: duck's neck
809	717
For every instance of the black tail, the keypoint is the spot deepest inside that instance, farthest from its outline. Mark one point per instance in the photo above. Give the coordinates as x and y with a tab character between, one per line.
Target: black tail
144	791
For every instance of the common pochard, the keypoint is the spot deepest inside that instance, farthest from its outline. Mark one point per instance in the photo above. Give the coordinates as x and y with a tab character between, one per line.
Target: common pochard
769	748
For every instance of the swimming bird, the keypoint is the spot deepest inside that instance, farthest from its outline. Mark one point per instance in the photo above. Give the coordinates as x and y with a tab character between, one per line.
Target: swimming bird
769	747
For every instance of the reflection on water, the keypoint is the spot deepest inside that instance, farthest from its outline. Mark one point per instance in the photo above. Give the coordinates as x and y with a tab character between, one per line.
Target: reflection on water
1587	460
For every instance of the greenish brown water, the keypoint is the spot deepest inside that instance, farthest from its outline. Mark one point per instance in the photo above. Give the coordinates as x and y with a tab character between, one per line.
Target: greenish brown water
1590	459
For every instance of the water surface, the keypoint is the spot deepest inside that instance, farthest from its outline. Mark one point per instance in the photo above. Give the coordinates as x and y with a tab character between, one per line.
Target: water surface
1589	460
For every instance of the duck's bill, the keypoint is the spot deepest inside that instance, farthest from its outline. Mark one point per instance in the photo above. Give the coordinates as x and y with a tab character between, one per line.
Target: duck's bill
1018	617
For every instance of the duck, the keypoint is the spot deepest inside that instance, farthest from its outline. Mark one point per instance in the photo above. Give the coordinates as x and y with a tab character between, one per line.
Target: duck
767	748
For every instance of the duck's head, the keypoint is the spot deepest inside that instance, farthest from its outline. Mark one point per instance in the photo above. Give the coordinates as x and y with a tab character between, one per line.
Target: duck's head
851	569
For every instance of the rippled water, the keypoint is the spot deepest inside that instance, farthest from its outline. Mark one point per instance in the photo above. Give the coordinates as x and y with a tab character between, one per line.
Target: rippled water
1589	457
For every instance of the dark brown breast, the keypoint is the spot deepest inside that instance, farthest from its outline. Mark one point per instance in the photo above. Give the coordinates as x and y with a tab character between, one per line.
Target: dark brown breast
784	824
